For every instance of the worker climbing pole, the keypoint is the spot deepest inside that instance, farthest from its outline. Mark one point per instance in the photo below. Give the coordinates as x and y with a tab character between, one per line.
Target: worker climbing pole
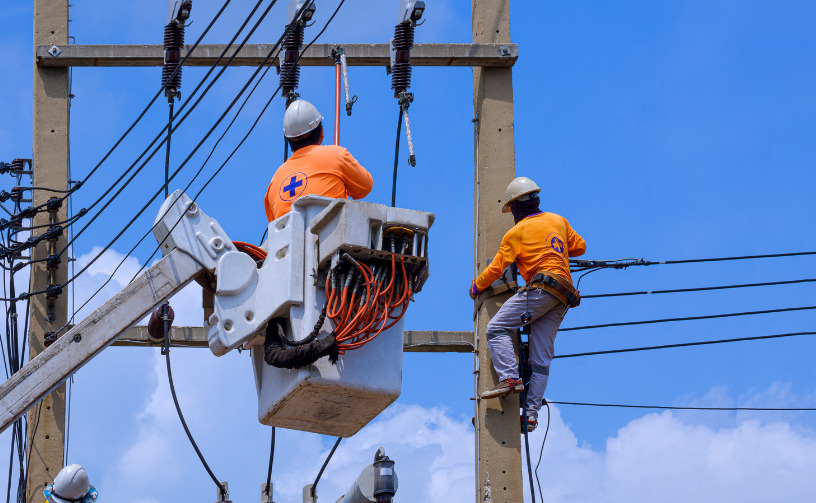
410	12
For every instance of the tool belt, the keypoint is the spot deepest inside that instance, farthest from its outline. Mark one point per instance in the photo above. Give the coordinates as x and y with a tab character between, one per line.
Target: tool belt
554	284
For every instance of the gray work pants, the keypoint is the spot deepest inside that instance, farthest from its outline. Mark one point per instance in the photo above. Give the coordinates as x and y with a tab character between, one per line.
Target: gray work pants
547	312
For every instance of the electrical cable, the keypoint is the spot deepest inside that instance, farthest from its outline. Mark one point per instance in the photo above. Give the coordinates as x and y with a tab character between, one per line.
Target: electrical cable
276	47
541	452
220	487
669	407
685	344
155	97
699	289
271	460
177	170
167	149
581	264
178	124
396	160
325	464
689	318
524	414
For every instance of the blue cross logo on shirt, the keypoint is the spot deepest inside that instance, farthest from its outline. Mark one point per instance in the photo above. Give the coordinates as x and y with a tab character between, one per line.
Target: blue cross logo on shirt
293	186
557	244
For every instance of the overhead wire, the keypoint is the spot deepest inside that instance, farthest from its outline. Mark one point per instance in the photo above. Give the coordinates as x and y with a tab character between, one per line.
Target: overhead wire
274	49
699	289
183	118
181	166
673	407
685	344
688	318
153	100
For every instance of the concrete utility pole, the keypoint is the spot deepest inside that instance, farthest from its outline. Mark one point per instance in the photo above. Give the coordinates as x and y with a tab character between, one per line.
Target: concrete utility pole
50	141
498	441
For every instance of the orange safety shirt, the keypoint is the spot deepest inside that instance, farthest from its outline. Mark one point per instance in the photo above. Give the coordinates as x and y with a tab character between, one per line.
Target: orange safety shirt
323	170
543	242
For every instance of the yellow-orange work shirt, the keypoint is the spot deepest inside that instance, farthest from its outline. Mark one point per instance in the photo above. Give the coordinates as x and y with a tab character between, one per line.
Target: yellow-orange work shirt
543	242
323	170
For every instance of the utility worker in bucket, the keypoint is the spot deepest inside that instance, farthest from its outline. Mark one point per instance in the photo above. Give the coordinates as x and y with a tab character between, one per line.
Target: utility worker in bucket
323	170
540	244
71	485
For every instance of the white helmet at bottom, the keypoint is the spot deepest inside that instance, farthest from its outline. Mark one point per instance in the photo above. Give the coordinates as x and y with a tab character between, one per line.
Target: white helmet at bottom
519	187
71	485
300	119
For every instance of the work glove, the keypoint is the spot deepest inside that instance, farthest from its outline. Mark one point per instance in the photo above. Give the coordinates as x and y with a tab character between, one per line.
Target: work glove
473	292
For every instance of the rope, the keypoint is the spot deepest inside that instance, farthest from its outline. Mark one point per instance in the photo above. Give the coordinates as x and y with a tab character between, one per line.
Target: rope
689	318
685	344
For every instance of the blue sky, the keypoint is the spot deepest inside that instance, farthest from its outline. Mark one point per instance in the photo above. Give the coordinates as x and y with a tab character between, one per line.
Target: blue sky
662	130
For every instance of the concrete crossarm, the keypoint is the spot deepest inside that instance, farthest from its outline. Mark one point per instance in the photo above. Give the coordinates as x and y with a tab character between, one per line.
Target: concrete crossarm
95	333
480	55
414	341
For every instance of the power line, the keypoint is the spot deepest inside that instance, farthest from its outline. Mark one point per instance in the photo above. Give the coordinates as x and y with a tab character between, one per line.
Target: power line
699	289
688	318
180	121
684	344
273	50
150	103
667	407
580	264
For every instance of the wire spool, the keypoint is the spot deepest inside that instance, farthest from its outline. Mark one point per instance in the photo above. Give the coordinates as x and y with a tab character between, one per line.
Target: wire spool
401	70
290	71
173	44
155	326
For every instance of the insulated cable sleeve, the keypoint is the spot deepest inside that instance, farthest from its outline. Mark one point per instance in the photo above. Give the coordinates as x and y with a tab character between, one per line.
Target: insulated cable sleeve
669	407
685	344
699	289
688	318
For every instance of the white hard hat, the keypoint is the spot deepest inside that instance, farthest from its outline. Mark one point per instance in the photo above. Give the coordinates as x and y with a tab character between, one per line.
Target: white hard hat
519	187
300	119
71	485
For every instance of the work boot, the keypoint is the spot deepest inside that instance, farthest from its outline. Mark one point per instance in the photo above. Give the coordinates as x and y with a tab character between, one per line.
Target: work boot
531	424
504	388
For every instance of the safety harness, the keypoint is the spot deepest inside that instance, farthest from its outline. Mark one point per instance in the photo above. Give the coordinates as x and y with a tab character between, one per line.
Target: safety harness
555	285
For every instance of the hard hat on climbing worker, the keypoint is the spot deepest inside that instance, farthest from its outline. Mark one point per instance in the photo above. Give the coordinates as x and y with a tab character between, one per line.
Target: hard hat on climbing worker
71	485
300	119
519	187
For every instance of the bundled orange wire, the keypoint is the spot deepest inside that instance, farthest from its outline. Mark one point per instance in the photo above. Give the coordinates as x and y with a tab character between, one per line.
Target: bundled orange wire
253	251
361	314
